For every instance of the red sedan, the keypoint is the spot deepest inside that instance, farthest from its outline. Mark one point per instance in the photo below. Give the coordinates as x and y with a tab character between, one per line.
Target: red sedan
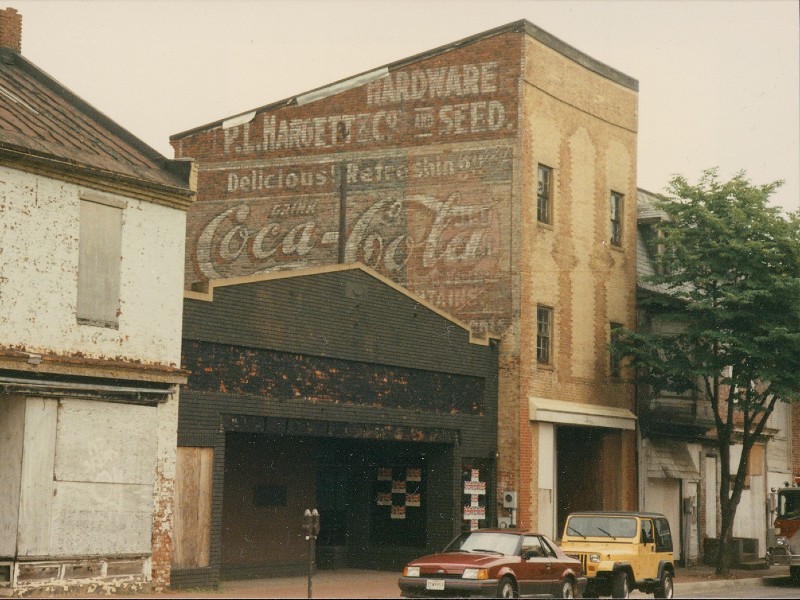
495	563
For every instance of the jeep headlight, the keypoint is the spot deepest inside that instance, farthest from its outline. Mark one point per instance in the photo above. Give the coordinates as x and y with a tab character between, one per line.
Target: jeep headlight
595	558
411	571
475	574
781	541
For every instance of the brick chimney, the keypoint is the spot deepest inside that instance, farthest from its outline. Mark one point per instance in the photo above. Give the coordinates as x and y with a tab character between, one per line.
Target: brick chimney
11	29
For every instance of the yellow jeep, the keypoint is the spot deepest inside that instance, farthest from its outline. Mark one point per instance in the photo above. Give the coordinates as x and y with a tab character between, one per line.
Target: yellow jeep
622	551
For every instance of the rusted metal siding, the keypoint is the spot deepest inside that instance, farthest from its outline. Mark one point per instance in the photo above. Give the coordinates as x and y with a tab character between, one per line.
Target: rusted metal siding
281	376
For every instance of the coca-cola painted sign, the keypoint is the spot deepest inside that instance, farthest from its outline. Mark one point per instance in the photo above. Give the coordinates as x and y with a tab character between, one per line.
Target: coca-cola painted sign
433	222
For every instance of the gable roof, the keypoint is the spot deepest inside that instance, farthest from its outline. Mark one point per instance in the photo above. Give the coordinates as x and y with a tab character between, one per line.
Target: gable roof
205	291
521	26
46	126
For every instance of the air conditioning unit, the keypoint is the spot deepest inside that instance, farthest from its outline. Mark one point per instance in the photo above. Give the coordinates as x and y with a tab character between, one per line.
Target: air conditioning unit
510	500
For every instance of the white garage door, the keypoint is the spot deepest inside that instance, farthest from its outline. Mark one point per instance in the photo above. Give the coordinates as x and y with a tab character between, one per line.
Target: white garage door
664	496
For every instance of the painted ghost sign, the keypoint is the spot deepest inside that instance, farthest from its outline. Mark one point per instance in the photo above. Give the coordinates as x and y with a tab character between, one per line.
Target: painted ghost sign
438	102
428	168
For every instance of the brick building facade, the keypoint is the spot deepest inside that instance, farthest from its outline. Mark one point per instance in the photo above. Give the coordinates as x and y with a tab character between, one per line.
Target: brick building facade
494	177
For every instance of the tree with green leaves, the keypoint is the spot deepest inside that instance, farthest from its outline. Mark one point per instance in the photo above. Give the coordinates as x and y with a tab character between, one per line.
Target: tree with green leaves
728	270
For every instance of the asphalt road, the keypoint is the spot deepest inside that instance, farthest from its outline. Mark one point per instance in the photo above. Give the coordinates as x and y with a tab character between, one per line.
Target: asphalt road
771	587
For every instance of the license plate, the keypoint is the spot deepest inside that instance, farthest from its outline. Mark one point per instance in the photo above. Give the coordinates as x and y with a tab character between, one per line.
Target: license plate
434	584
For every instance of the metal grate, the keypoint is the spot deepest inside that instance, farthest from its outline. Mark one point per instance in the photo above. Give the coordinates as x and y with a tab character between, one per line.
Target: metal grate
584	558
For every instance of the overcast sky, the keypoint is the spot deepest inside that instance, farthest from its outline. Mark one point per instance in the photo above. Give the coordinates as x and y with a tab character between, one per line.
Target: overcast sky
719	80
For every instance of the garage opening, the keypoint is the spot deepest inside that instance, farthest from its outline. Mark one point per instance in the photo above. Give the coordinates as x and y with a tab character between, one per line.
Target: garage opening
375	500
579	461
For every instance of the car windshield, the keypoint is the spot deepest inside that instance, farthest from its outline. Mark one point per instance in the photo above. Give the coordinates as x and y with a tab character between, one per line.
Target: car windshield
485	541
601	526
789	504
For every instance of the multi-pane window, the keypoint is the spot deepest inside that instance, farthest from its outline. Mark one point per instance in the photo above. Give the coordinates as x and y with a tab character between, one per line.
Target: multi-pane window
99	254
616	219
616	328
544	194
544	334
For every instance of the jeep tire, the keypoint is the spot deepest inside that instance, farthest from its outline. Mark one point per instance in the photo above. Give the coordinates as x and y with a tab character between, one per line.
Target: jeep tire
620	586
665	588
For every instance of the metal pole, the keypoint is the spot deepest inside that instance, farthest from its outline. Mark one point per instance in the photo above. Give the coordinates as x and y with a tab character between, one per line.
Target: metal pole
310	566
311	529
342	211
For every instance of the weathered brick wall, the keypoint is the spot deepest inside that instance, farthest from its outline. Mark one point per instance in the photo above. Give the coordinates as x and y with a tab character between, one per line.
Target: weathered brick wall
164	493
284	376
11	29
428	156
440	158
582	126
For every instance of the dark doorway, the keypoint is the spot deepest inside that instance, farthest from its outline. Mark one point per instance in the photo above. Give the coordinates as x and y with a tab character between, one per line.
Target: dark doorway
267	488
579	463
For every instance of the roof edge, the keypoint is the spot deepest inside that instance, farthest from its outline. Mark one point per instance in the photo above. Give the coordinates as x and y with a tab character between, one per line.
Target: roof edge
580	57
176	171
205	293
520	26
46	165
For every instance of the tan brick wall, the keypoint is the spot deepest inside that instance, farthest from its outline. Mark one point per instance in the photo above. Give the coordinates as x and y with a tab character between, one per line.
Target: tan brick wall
583	126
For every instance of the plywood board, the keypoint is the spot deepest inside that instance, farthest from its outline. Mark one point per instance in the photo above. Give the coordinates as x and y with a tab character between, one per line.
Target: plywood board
12	427
105	442
36	490
192	521
101	518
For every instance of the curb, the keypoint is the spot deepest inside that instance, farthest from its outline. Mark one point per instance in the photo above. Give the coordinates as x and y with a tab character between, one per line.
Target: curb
764	580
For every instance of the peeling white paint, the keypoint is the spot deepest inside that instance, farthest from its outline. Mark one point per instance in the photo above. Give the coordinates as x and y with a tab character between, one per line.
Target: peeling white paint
39	226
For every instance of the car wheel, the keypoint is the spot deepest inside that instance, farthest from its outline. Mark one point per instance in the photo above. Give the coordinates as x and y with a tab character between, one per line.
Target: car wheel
665	588
506	589
620	587
567	590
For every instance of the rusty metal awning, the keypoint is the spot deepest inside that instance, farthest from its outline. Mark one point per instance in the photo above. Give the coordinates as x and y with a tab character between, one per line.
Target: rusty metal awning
576	413
670	459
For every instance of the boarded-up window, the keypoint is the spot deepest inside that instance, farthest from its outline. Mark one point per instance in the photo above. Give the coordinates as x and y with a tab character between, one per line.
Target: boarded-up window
99	261
192	524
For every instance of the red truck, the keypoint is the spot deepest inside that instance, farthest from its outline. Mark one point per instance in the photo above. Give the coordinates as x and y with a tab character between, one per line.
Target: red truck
786	550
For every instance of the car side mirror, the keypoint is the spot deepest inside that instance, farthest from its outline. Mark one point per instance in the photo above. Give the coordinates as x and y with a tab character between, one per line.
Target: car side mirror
529	554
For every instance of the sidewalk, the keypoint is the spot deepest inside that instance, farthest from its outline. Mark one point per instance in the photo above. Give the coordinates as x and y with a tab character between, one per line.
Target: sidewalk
355	583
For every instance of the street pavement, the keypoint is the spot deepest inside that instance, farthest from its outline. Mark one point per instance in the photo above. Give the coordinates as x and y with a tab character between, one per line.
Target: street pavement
694	582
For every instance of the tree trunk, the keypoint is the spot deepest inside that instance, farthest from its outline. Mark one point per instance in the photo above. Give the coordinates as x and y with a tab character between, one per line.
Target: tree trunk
729	502
723	556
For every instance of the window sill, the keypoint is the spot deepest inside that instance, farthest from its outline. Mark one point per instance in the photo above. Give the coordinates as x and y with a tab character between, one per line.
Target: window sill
98	323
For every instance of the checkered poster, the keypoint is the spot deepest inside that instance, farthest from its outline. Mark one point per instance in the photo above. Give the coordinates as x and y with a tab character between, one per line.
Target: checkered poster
475	498
399	489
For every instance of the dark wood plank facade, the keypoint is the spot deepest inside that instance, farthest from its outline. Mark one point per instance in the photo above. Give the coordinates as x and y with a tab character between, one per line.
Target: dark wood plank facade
310	387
